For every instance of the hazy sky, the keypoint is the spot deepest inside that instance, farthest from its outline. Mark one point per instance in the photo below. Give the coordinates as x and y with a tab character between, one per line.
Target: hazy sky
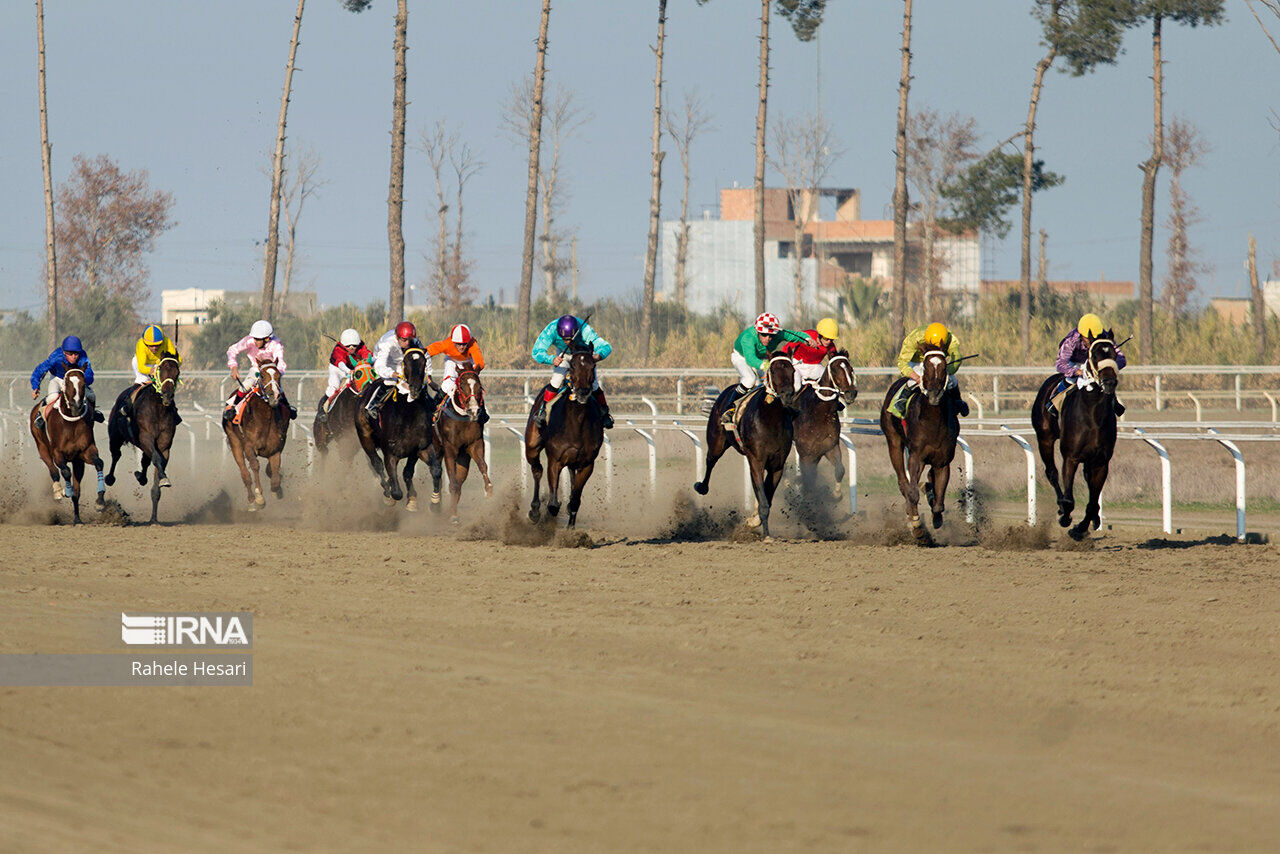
190	92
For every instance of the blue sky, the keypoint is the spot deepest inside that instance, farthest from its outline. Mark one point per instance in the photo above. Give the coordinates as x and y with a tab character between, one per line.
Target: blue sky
190	92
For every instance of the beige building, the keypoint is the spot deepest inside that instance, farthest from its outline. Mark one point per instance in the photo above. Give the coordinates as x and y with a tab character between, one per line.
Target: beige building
190	307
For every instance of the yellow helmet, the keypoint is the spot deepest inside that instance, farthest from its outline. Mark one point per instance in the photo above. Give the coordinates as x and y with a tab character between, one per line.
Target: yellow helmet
1090	326
937	335
152	336
828	328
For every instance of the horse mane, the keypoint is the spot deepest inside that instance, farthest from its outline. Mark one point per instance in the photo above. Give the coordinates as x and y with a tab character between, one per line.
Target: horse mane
842	352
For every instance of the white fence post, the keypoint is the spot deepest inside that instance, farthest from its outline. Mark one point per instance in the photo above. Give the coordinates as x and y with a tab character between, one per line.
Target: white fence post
1240	495
698	454
1196	401
977	402
653	456
1166	480
608	467
968	479
1031	473
520	462
847	441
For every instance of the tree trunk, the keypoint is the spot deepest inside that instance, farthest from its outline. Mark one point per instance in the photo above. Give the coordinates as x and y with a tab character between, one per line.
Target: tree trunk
1043	278
531	198
277	177
930	267
456	265
46	159
1259	306
655	191
573	268
395	193
797	261
760	127
897	315
548	250
682	241
1149	169
1028	164
291	230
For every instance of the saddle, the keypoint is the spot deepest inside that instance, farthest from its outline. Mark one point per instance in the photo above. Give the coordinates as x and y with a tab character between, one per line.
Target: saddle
734	419
240	405
448	408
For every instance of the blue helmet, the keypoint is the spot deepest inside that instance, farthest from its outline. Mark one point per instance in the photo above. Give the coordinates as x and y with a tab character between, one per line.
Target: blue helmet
567	327
71	344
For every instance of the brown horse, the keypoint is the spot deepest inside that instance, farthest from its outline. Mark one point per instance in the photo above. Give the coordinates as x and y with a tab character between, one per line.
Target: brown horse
1087	430
458	438
926	437
147	418
263	428
763	435
66	443
338	424
817	422
401	430
571	437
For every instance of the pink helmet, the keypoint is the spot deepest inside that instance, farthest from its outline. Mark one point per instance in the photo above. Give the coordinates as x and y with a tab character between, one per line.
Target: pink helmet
461	335
767	324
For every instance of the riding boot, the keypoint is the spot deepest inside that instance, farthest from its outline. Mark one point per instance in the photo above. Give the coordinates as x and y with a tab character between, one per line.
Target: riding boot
839	405
322	411
229	414
962	408
40	418
379	397
92	400
484	416
603	406
540	419
726	418
898	406
1118	407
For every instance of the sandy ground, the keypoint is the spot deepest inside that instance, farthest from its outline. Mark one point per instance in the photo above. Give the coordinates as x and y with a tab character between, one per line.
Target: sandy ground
428	688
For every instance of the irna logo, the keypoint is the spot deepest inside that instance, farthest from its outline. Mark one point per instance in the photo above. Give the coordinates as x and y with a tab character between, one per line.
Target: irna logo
209	630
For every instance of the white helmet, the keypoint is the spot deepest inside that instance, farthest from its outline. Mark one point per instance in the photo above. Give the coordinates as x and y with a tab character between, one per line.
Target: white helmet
261	329
349	338
461	334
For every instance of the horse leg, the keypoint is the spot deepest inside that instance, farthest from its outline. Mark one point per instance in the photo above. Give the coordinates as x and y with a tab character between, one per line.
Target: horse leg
915	466
580	478
251	459
1067	499
77	472
393	490
274	472
410	466
1096	476
437	473
554	467
939	476
101	500
761	516
459	467
1046	443
116	441
237	454
533	456
837	461
717	444
769	486
476	451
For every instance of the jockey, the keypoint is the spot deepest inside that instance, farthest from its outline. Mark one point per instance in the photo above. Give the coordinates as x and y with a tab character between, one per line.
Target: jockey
388	358
807	355
147	353
1073	354
70	355
911	356
347	353
261	344
752	350
552	348
461	352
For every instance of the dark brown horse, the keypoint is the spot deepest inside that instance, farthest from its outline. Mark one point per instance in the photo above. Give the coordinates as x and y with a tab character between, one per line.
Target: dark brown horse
459	438
66	443
571	438
147	418
263	428
926	437
1087	430
401	430
763	435
817	421
337	427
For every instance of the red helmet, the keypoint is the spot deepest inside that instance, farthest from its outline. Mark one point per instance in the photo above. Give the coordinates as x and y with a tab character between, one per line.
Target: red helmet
405	329
461	335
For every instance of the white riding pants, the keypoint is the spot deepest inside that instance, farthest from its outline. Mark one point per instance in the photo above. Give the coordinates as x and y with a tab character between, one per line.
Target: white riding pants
337	376
139	378
748	376
807	373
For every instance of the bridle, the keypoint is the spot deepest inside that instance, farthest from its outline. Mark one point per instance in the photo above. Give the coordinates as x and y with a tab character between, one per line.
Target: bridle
79	384
461	399
573	386
411	351
768	373
827	391
273	383
1094	365
156	382
934	356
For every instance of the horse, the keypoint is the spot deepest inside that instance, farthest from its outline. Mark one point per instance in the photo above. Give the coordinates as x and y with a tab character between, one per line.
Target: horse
571	437
150	426
458	438
338	427
66	443
1087	430
402	430
927	437
763	435
263	428
817	421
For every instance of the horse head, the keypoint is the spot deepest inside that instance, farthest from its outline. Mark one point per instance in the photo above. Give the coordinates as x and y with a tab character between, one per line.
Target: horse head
469	395
840	376
933	375
1102	364
582	372
414	370
269	381
165	379
780	379
74	393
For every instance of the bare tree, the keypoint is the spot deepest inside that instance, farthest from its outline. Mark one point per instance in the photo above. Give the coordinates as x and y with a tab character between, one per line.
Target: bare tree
683	128
804	150
46	157
1272	6
534	127
1185	148
436	144
300	184
898	310
655	192
465	165
938	148
1259	304
277	178
449	279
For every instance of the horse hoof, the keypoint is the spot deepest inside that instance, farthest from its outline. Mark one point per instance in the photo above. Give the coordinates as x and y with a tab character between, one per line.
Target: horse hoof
1078	532
534	515
412	505
57	492
754	521
916	527
258	499
700	488
253	508
389	501
142	477
553	510
435	498
488	490
766	539
453	520
278	492
109	480
1065	520
937	520
101	501
164	483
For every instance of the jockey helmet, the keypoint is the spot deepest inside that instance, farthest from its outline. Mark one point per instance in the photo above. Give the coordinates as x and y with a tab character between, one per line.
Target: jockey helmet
937	335
71	344
349	338
567	326
152	335
828	328
767	324
405	329
461	335
261	329
1090	326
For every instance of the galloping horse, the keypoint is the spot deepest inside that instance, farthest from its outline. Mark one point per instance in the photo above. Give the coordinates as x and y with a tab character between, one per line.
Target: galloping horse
338	426
261	432
1087	428
458	438
150	426
763	435
401	431
927	436
66	443
817	422
571	438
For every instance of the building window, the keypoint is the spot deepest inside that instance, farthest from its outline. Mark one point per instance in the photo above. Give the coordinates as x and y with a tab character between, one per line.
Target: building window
784	249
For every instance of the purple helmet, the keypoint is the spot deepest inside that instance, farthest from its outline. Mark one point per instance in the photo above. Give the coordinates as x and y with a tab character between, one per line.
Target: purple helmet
567	327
